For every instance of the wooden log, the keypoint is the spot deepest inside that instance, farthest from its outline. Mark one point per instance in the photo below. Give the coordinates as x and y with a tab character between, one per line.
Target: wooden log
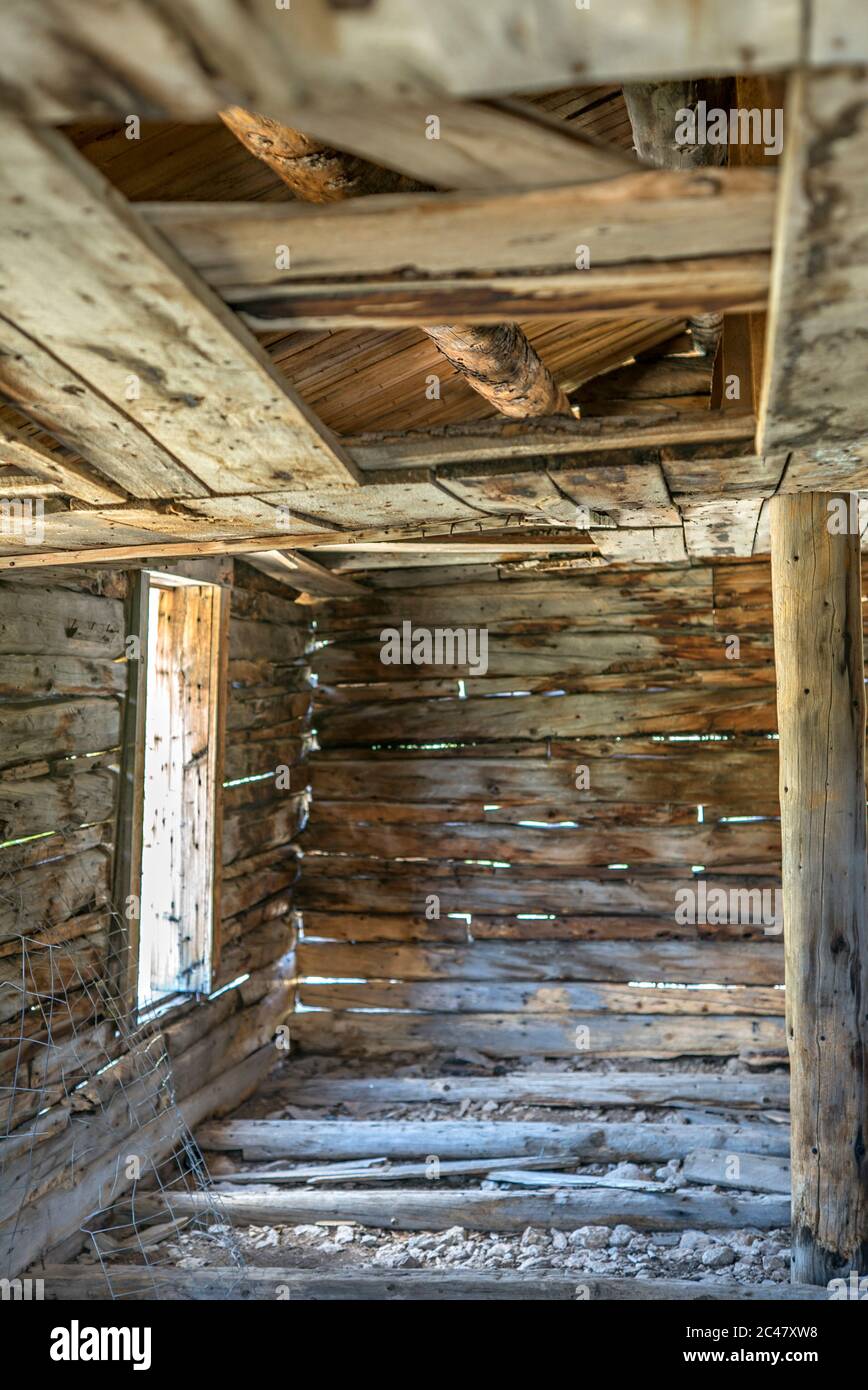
750	710
543	1088
586	1142
408	1210
723	1169
314	172
821	714
29	807
530	962
508	996
81	1282
545	1035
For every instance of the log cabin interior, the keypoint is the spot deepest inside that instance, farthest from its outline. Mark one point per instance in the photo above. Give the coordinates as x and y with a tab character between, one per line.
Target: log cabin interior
432	781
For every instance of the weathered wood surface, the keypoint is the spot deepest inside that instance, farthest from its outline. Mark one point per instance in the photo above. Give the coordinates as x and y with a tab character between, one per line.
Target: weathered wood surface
488	144
473	442
755	962
813	408
545	1088
188	64
636	288
256	1282
631	771
713	845
659	215
821	711
425	1210
511	996
570	716
540	1035
602	1142
160	365
726	1169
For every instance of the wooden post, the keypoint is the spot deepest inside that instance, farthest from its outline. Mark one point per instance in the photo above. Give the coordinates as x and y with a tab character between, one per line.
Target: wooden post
821	720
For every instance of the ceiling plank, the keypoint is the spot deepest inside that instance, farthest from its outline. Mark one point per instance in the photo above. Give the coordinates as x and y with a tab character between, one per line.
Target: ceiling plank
71	409
651	215
90	282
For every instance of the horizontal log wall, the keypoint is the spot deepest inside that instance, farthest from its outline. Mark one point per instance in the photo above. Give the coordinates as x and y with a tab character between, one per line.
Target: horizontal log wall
62	657
462	874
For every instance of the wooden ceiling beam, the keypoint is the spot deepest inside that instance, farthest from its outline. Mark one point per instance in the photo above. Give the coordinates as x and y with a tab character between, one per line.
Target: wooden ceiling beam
506	442
639	289
497	361
61	62
652	215
90	283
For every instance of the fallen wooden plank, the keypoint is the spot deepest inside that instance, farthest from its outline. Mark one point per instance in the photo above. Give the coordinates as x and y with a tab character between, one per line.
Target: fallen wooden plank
378	1170
516	1177
544	1088
176	360
424	1210
599	1142
639	216
724	1169
83	1282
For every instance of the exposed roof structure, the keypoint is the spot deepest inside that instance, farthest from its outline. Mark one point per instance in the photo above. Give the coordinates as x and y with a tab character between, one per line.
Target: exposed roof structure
203	350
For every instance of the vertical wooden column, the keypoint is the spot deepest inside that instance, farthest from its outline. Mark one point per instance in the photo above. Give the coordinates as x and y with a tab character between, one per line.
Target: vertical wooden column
821	721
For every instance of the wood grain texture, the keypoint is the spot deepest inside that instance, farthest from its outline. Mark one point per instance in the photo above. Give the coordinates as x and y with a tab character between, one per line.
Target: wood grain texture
821	712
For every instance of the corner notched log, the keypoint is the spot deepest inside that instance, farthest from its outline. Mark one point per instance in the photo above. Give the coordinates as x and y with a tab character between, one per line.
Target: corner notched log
821	718
498	361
